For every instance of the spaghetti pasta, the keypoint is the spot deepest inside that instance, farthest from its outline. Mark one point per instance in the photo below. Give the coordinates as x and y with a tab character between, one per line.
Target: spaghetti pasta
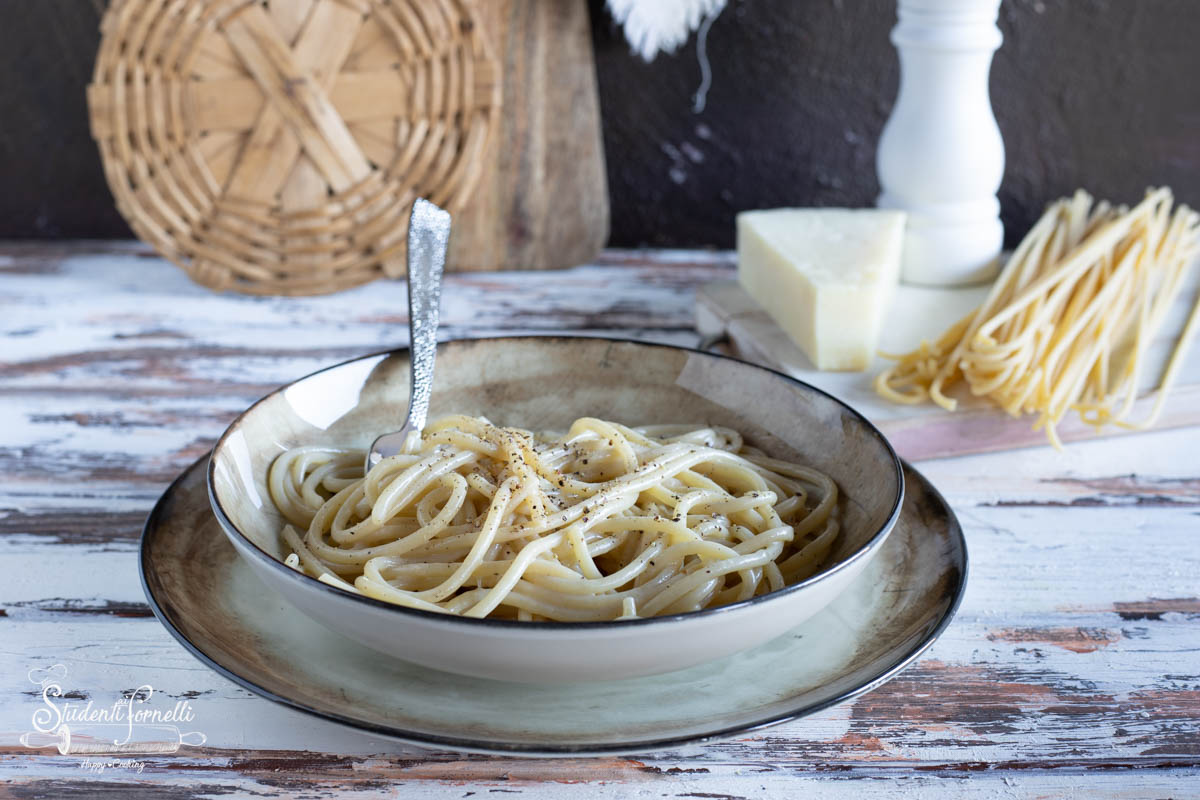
604	522
1068	321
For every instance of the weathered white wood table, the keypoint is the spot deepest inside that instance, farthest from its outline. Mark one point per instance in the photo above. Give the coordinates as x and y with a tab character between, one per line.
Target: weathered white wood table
1072	669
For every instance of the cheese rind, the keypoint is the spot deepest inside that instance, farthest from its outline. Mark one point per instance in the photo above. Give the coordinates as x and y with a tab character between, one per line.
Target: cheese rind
825	275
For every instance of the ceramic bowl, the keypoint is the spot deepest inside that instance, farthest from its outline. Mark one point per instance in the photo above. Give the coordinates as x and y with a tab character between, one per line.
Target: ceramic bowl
545	383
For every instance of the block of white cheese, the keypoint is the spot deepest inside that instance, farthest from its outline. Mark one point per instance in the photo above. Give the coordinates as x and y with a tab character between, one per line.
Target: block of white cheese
826	275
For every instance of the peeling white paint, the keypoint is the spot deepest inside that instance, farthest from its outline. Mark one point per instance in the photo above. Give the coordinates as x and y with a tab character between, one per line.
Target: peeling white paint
117	372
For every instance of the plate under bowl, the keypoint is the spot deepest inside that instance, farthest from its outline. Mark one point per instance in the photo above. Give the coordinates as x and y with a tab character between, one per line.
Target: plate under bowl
545	383
211	601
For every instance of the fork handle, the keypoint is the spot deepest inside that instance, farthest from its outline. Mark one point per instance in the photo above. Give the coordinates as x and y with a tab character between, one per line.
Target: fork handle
428	236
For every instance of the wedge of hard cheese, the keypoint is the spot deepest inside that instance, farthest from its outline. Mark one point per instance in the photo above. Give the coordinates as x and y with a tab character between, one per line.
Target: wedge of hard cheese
826	275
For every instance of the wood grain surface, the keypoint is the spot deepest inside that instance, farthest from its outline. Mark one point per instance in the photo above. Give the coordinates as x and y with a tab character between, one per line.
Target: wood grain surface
541	201
1072	669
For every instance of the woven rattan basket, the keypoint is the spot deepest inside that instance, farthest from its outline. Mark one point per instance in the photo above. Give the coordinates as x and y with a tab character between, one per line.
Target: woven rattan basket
275	147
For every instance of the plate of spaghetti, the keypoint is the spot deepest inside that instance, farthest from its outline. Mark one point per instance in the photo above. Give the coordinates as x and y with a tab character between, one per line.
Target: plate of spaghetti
577	509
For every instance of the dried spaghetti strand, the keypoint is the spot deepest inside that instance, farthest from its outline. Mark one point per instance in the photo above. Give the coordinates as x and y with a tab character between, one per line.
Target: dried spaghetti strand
1067	324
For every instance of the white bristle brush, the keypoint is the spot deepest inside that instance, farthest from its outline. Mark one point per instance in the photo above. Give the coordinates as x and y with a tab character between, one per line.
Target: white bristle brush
652	26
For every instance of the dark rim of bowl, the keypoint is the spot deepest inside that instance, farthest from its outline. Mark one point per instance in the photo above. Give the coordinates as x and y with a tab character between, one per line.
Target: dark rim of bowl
952	597
551	625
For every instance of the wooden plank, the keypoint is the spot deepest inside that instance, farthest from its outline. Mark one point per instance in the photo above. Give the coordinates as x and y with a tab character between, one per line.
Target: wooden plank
1083	694
763	781
542	199
1071	669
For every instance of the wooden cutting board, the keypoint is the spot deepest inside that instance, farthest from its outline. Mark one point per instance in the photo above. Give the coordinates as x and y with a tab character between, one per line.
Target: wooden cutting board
542	201
928	431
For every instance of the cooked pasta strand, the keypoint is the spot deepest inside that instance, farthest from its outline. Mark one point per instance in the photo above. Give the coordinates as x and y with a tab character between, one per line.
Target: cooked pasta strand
603	522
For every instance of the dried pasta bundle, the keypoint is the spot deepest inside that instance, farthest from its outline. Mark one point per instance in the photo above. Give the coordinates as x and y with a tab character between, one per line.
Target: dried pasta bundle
1067	323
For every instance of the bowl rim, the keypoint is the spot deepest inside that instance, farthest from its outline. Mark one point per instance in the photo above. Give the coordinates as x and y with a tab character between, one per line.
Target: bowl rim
455	620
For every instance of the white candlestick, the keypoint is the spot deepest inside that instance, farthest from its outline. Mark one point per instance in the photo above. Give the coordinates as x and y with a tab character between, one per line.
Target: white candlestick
941	157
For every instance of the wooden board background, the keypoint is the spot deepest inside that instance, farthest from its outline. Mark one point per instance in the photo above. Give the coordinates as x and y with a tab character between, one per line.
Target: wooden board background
542	201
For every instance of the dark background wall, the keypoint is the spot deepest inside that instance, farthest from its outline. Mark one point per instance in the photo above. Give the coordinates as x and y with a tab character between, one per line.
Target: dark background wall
1103	94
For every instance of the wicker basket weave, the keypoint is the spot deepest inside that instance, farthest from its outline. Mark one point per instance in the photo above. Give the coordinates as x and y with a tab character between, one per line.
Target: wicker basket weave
275	146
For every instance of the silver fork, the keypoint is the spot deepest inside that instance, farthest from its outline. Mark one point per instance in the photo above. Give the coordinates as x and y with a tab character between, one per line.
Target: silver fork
428	235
